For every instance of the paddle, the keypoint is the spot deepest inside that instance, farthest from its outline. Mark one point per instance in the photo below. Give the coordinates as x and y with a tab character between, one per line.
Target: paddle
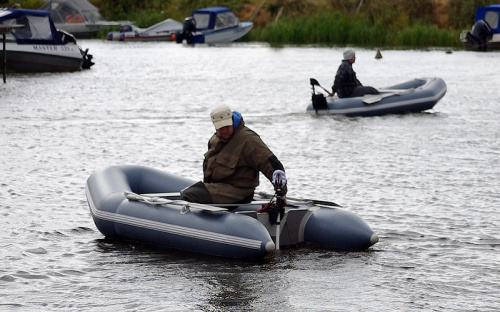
315	82
263	194
166	195
374	98
161	194
304	200
186	206
397	91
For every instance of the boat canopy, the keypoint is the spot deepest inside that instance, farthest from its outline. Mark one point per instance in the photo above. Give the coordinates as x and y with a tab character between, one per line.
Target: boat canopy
168	25
72	11
214	18
490	14
38	27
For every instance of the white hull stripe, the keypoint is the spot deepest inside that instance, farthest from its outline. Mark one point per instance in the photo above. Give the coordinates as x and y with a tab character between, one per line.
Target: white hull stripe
174	229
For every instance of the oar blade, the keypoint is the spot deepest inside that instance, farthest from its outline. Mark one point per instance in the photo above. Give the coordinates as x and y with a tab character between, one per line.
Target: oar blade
372	98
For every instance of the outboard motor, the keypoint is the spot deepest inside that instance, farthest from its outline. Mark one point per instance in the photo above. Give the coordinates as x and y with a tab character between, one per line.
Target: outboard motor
481	33
318	99
188	29
319	102
87	60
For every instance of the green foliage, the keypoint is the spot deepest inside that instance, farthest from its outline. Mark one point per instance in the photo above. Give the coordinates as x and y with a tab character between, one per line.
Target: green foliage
374	23
25	4
338	29
422	36
147	18
147	13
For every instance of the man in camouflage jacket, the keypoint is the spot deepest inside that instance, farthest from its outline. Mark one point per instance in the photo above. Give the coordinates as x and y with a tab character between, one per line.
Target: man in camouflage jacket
232	163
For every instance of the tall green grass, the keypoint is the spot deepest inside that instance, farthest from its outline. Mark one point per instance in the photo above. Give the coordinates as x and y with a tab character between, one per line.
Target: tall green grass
378	24
339	29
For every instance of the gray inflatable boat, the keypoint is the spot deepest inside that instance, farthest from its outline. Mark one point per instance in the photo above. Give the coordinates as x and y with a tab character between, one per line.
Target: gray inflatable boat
413	96
142	204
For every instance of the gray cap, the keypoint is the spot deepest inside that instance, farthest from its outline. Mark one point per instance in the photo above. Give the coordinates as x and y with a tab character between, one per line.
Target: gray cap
348	54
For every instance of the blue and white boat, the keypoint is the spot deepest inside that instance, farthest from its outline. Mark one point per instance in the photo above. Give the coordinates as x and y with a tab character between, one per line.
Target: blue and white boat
212	25
35	45
129	202
485	34
413	96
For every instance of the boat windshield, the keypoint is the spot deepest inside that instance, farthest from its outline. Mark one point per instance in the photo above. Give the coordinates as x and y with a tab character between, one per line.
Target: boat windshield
66	13
491	18
202	20
222	20
34	28
225	20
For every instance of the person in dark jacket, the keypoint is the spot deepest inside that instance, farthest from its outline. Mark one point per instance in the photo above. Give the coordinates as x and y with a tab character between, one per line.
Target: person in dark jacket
346	84
232	163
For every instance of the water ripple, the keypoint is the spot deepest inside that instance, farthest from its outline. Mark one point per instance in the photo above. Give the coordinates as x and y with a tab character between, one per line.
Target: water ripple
426	183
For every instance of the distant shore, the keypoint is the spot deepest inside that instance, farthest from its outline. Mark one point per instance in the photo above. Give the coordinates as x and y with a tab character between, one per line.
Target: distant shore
383	24
338	30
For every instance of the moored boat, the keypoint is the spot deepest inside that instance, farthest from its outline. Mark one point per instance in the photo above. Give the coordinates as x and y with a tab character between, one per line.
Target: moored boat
212	25
162	31
129	202
413	96
78	17
485	34
35	45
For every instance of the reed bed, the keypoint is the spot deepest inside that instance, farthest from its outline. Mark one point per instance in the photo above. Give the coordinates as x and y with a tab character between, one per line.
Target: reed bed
338	29
395	24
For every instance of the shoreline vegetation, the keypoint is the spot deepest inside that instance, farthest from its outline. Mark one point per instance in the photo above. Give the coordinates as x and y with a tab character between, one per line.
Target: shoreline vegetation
400	24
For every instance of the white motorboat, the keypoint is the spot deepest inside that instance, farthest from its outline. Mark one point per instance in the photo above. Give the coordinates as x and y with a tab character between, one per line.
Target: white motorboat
35	45
212	25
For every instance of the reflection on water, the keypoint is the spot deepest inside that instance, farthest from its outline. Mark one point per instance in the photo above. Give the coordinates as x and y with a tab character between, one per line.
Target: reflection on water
426	183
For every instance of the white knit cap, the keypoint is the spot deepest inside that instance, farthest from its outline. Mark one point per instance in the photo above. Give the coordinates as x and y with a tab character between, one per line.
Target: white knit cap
348	54
222	116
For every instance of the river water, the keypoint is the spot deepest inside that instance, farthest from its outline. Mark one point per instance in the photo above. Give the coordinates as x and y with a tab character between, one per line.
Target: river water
427	183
